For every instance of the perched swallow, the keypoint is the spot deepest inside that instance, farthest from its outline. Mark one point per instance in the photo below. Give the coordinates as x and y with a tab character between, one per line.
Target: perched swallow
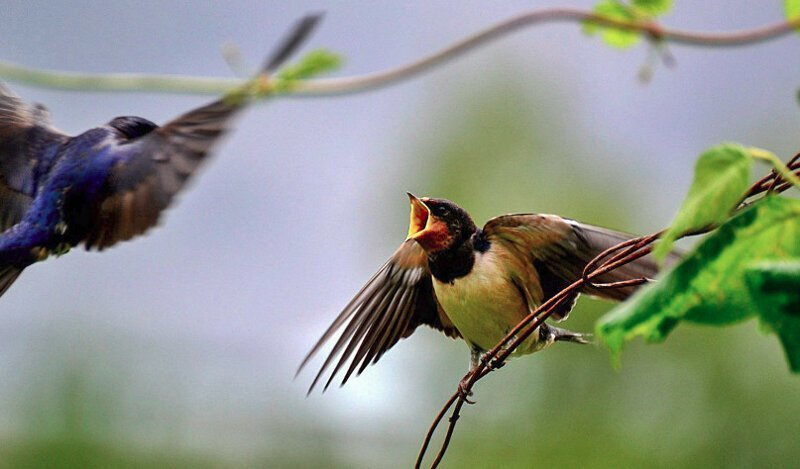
472	283
108	184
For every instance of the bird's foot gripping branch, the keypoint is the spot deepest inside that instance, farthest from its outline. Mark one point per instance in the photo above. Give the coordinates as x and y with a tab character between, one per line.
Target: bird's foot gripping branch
748	265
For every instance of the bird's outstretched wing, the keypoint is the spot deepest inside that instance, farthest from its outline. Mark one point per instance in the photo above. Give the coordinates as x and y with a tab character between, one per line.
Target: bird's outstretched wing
559	249
397	299
27	142
149	170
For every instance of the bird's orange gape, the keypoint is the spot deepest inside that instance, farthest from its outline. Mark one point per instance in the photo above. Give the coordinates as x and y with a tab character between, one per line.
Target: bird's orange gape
418	218
430	232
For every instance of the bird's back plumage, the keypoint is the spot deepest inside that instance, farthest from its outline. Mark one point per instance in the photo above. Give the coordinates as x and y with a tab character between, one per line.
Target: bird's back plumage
559	249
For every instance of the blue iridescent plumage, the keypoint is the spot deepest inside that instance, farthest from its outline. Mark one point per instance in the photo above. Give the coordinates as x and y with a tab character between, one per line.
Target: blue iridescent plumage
106	185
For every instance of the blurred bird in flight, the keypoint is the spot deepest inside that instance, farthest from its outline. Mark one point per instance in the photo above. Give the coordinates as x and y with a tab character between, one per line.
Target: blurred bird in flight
110	183
472	283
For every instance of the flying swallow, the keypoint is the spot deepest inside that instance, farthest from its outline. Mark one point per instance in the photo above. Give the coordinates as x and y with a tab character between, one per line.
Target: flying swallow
108	184
472	283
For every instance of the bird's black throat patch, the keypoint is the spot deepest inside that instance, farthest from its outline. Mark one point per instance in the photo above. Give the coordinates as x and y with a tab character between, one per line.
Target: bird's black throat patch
452	263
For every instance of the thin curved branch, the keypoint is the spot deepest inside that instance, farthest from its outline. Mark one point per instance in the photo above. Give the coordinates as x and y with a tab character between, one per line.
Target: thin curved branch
333	86
652	29
60	80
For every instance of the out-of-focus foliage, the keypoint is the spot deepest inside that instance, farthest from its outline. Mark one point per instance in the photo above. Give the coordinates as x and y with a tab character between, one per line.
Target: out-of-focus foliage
614	37
709	286
619	10
792	8
72	424
499	151
81	411
310	65
721	176
653	7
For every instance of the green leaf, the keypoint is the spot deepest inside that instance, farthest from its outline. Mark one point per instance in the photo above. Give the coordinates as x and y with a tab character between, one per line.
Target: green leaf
776	285
721	177
710	286
614	37
792	8
618	10
310	65
653	7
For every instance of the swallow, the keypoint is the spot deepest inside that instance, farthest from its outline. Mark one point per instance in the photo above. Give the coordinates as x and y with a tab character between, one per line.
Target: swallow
110	183
472	283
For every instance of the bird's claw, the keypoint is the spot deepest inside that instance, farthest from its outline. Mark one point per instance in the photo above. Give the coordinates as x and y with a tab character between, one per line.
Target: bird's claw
564	335
496	364
464	391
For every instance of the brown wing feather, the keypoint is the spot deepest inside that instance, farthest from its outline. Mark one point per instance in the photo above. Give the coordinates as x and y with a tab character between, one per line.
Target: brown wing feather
560	248
151	169
25	134
13	206
598	240
392	304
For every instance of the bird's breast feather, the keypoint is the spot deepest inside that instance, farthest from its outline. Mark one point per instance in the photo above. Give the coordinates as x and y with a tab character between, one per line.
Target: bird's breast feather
484	304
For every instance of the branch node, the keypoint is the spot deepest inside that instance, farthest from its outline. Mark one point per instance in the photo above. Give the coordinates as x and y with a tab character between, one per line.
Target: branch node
497	364
655	32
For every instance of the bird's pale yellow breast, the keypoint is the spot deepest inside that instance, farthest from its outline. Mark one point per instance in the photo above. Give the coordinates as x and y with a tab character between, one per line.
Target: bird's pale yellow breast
485	304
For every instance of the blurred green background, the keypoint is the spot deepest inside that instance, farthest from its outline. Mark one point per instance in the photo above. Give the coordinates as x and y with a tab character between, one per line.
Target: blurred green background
178	350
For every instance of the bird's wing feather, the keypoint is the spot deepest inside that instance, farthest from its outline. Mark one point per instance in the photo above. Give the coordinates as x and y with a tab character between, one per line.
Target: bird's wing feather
25	138
148	171
559	249
397	299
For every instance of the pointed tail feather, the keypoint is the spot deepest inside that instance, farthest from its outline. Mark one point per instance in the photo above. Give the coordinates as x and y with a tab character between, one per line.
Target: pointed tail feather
564	335
299	33
8	274
600	239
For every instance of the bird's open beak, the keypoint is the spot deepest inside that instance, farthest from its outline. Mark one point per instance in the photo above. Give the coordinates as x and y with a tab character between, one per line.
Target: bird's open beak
418	219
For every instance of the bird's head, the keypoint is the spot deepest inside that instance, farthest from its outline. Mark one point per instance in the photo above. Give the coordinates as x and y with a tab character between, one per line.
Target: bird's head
132	127
438	224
